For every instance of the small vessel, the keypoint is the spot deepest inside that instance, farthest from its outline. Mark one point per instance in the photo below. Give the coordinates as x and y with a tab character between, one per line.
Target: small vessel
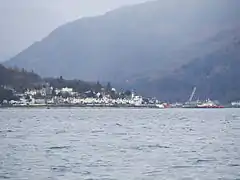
192	104
163	105
200	104
160	106
235	104
209	104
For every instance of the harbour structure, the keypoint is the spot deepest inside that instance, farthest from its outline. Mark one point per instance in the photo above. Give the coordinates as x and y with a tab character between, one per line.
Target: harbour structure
200	104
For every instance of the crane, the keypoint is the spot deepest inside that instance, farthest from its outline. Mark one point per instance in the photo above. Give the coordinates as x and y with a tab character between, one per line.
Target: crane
192	95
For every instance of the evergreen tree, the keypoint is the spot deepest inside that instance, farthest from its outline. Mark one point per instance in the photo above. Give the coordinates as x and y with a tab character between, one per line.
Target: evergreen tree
98	87
108	87
128	93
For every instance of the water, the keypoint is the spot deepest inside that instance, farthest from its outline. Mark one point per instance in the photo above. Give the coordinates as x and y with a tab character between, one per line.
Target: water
124	144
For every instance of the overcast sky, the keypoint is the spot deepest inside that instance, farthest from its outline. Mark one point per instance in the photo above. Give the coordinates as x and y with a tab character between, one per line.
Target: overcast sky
23	22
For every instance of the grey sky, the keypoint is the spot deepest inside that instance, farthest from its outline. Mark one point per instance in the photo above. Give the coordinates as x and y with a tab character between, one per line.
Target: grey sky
23	22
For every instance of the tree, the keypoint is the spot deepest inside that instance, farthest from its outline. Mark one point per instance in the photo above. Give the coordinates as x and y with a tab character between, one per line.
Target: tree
23	70
27	97
128	93
54	91
6	95
108	87
98	87
60	80
101	96
66	95
38	96
114	95
59	94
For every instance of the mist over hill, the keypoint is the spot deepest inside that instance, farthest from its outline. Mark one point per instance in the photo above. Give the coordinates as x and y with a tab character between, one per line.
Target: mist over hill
145	42
215	76
131	41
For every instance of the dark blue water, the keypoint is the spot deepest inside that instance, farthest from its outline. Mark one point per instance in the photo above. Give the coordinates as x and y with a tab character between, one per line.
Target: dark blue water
124	144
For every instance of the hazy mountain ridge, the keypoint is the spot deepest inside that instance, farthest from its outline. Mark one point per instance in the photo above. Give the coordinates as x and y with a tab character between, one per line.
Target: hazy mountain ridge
20	80
139	40
216	76
146	45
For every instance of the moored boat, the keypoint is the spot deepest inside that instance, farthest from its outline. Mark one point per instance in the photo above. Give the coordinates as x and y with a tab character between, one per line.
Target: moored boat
200	104
209	104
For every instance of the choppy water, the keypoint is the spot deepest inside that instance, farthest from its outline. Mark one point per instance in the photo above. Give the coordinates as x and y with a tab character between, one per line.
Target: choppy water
124	144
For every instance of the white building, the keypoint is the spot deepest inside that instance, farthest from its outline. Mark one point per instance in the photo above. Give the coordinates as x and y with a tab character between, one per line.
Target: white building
67	90
39	101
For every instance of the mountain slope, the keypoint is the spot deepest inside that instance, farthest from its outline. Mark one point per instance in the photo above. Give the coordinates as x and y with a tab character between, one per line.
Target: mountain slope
145	40
216	76
18	78
21	80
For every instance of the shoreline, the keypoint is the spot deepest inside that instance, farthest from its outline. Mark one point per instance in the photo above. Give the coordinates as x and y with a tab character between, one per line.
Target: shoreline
49	106
81	105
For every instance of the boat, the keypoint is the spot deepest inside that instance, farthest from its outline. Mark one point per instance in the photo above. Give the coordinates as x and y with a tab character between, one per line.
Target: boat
162	106
209	104
235	104
200	104
205	104
192	104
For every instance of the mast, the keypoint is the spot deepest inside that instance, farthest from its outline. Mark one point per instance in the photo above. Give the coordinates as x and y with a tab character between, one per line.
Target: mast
192	95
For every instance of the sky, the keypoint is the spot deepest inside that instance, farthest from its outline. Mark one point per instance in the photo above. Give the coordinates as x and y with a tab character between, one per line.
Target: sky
22	22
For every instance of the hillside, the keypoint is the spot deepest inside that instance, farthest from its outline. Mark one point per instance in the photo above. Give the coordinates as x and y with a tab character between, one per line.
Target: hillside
216	76
149	40
18	78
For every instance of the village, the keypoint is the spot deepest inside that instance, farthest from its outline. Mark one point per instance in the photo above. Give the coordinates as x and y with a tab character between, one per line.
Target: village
49	96
52	97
